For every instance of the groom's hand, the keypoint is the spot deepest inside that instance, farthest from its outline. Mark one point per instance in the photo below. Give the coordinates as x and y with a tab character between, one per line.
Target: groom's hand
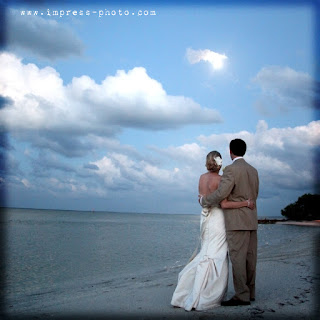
200	196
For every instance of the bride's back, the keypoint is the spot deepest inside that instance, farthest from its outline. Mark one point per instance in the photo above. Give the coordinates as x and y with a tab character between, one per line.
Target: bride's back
208	183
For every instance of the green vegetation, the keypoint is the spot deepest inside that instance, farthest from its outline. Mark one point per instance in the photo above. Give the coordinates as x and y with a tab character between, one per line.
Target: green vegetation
307	207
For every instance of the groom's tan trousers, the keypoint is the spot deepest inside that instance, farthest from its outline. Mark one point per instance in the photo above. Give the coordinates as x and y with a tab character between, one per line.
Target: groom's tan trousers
243	255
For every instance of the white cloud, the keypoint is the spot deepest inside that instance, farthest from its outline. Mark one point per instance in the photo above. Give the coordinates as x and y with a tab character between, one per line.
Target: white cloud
285	88
65	114
187	153
283	156
42	37
118	171
65	186
26	183
216	60
107	170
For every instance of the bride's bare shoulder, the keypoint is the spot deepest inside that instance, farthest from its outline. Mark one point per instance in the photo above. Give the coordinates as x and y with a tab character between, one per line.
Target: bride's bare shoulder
210	175
205	177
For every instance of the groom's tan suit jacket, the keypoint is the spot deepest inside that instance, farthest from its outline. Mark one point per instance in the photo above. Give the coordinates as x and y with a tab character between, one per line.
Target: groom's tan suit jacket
239	182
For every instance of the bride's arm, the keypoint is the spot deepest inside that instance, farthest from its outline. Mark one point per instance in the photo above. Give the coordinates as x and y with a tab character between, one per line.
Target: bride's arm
225	204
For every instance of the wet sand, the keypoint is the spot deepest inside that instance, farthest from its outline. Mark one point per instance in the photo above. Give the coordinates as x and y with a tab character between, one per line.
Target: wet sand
288	280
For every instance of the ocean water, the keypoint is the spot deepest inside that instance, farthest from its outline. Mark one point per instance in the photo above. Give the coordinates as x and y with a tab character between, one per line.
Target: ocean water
47	250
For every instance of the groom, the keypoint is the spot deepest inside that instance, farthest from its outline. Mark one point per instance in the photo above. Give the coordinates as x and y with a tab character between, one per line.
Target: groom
239	182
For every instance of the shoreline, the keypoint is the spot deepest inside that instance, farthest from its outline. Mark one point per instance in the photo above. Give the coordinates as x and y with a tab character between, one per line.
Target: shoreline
312	223
307	223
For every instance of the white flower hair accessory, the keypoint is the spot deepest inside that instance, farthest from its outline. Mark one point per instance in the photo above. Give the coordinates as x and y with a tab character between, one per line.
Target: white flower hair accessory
218	161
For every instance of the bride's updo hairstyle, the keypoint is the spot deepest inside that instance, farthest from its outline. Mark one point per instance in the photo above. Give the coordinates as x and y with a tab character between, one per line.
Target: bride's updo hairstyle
212	164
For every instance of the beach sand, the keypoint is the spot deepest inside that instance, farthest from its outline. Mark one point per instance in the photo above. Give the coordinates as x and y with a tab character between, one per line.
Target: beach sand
313	223
287	288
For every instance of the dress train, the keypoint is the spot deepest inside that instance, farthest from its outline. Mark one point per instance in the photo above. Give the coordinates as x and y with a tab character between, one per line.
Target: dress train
203	282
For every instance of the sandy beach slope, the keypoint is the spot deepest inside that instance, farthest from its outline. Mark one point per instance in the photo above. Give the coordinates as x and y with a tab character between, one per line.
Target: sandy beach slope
313	223
287	288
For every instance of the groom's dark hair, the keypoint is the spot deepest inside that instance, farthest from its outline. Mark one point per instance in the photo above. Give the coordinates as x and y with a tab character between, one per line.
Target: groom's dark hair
238	147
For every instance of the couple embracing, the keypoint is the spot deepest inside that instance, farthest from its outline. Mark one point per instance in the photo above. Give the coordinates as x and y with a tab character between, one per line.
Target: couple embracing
203	282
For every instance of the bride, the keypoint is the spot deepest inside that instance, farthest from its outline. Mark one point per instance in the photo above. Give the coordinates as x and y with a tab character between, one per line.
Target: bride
203	282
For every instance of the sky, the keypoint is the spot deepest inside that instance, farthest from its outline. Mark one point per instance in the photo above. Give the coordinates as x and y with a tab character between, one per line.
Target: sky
114	106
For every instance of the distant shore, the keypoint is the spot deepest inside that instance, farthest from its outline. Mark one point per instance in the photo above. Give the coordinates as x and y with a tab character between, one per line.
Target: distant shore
307	223
270	221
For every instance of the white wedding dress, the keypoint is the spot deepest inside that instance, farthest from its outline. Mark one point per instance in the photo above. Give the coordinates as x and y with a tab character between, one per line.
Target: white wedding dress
203	282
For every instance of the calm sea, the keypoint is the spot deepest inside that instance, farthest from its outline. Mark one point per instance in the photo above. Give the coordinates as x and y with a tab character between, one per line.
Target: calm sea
46	250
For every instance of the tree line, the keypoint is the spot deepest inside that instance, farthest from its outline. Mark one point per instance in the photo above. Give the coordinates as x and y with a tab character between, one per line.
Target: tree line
307	207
